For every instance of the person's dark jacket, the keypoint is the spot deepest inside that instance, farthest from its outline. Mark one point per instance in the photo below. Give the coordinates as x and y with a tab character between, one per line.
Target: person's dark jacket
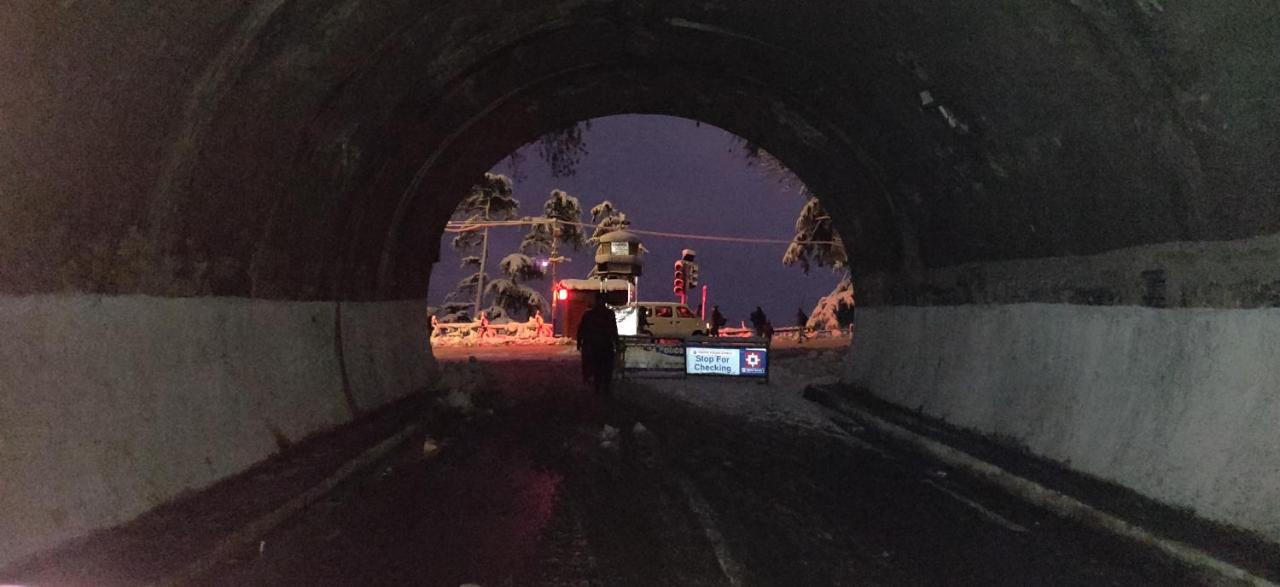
717	321
758	319
598	331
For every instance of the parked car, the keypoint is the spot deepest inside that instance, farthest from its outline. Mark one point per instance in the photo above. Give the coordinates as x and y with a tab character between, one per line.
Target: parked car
669	320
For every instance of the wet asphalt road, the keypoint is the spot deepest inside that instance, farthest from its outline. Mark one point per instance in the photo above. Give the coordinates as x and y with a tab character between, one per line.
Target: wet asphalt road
530	496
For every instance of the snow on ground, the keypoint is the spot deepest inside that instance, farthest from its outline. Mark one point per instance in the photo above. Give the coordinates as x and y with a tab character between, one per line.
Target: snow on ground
498	339
780	401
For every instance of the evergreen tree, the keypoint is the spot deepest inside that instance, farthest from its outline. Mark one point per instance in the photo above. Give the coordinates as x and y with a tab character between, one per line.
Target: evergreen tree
835	309
511	297
491	199
607	219
816	240
564	211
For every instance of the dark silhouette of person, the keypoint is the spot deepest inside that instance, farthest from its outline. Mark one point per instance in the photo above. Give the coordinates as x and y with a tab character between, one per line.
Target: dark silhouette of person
802	321
717	320
642	321
758	321
598	342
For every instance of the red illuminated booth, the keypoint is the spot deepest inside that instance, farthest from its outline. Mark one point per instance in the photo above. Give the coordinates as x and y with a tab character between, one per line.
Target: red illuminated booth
574	296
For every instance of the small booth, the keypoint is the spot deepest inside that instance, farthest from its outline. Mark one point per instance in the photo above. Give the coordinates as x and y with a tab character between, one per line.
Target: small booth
618	263
574	296
619	256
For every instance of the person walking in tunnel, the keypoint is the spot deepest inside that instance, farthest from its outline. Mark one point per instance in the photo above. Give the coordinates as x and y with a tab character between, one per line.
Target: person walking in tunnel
758	321
717	320
598	343
802	321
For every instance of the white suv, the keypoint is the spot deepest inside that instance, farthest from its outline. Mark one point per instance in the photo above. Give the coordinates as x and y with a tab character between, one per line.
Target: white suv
670	320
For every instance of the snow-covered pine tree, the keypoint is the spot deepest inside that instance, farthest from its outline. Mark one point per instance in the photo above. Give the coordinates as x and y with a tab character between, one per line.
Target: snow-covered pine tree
835	309
816	240
511	297
491	199
544	238
608	219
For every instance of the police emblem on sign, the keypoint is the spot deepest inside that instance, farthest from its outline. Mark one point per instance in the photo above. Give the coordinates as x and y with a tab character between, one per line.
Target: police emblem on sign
754	362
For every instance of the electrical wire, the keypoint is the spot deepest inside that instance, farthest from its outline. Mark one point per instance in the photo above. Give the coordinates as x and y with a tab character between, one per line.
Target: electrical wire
468	226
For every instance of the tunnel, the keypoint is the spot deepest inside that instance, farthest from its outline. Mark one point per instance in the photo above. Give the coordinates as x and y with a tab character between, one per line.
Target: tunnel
220	218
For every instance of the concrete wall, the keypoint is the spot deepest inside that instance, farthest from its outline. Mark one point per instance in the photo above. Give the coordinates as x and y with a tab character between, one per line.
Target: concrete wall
110	406
1178	404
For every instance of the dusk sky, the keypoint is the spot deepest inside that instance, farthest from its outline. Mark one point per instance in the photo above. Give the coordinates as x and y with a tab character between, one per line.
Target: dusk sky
675	175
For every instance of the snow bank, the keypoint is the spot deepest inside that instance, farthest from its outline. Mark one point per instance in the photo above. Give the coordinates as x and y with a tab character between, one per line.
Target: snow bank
826	314
499	340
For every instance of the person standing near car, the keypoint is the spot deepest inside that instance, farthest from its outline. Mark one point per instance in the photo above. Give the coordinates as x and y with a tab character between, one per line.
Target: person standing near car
758	321
598	342
717	320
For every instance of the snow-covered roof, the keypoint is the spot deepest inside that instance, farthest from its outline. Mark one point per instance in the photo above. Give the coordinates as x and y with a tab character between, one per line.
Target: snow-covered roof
619	236
595	284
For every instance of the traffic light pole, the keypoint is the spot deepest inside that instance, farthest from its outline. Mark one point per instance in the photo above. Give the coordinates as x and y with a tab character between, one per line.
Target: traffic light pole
677	283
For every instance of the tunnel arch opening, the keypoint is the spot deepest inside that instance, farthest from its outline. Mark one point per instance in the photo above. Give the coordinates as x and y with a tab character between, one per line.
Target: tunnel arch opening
528	90
780	132
683	185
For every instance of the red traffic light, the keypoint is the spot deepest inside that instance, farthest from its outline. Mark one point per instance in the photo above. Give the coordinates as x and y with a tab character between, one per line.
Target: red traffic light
677	284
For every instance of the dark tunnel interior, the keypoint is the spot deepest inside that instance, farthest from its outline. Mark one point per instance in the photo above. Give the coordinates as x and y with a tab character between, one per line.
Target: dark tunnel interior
218	220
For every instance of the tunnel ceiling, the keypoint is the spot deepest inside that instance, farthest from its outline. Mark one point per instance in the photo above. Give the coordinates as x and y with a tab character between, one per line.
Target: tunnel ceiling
313	150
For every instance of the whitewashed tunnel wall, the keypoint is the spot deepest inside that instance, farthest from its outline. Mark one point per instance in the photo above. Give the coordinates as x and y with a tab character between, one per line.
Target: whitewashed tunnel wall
110	406
1180	404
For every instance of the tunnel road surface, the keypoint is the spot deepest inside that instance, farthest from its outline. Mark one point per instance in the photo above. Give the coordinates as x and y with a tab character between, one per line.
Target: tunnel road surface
538	495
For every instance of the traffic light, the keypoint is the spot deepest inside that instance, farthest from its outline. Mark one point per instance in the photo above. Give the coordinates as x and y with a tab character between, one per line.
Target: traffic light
691	269
677	284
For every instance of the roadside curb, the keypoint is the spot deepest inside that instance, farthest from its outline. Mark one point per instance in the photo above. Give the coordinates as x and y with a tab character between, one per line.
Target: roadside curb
1056	502
244	537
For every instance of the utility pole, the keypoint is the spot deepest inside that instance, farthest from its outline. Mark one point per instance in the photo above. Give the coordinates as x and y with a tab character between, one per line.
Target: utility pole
555	239
484	257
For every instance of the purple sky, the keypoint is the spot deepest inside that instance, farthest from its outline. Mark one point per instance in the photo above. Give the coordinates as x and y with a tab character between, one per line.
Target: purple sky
674	175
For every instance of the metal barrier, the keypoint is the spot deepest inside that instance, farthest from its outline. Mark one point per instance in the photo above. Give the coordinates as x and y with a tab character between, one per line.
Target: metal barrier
747	357
642	355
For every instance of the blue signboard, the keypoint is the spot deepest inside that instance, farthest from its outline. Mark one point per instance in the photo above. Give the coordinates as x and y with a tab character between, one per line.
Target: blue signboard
734	361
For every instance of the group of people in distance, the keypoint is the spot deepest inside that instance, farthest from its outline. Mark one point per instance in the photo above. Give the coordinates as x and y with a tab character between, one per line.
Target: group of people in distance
764	328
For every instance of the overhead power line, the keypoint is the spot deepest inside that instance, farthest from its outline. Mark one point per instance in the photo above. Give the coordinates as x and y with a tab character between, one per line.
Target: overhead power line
466	226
